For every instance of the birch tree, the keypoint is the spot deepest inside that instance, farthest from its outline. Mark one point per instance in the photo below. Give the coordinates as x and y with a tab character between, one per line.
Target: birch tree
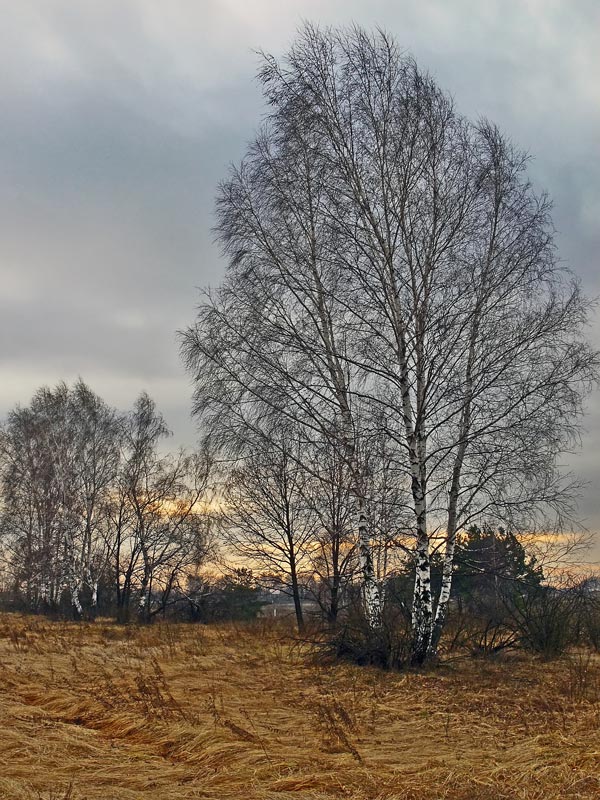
96	461
392	271
59	461
161	520
274	335
30	511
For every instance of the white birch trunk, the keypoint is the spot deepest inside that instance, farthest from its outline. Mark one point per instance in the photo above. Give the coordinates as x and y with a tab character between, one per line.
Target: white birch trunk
370	586
451	531
414	427
445	589
371	592
75	599
448	566
142	601
422	611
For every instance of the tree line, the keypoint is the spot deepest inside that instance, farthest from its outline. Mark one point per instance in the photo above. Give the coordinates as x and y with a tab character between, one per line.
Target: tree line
90	503
96	519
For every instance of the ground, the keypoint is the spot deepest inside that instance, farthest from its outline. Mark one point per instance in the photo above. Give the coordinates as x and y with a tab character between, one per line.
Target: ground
94	711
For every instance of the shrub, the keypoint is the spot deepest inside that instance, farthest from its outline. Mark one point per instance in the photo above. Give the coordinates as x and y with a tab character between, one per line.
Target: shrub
544	618
388	647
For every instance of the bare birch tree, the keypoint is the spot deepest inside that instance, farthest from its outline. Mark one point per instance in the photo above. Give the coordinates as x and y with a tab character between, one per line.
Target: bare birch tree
275	335
161	523
390	261
60	458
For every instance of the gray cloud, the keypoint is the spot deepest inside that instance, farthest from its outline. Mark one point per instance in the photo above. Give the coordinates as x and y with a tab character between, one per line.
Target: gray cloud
119	118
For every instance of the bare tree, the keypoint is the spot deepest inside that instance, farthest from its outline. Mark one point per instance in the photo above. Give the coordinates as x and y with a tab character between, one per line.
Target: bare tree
266	518
332	555
275	334
60	458
160	518
30	511
392	270
97	429
87	497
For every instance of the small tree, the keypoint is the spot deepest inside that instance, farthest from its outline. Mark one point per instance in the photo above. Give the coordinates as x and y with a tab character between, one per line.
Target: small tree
266	519
332	554
162	529
489	563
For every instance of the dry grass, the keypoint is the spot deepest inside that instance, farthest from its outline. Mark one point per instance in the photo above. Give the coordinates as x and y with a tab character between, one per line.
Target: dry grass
96	711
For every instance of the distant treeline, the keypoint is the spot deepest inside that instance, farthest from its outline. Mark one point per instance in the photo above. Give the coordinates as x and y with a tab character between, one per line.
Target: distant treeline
93	515
96	520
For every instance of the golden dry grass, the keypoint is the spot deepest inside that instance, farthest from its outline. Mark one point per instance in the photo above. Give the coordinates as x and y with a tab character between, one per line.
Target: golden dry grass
176	711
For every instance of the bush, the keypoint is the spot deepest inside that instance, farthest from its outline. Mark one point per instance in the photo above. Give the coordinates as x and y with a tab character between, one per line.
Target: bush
482	635
234	597
388	647
589	621
545	619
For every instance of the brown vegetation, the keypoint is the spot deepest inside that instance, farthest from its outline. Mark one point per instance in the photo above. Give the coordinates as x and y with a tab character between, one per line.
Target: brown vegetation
94	711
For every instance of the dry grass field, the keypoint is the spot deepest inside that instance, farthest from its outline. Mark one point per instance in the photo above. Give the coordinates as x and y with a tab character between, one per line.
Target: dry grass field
175	711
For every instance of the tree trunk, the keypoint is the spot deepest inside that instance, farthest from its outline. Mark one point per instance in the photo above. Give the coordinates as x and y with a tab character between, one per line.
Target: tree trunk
422	611
448	568
143	600
370	587
76	603
334	594
296	596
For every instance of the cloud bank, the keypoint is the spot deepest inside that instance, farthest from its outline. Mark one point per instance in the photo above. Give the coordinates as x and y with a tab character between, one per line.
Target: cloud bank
120	117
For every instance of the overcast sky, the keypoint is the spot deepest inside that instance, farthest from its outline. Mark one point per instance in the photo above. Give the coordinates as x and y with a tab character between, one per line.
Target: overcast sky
119	117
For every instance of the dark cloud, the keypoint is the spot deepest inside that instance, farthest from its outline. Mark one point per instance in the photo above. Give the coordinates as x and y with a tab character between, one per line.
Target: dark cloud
119	118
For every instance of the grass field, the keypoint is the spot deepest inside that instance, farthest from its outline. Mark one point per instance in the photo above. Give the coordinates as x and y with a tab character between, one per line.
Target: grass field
176	711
